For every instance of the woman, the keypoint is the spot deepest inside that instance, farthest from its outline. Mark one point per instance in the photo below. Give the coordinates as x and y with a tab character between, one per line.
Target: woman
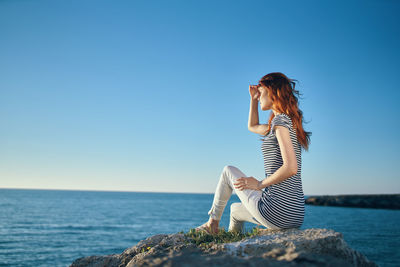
277	202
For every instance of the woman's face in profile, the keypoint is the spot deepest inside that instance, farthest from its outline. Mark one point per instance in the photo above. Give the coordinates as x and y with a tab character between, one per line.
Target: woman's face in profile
264	99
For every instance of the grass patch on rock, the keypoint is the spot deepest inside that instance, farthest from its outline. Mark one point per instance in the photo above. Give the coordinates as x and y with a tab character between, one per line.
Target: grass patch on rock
203	239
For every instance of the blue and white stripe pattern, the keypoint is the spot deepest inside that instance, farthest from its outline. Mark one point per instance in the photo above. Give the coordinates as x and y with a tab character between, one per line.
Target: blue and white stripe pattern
282	204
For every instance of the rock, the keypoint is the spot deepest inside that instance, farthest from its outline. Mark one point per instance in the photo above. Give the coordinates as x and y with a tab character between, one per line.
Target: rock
374	201
286	247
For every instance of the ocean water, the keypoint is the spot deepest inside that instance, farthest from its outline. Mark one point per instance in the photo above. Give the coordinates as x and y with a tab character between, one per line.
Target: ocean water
55	227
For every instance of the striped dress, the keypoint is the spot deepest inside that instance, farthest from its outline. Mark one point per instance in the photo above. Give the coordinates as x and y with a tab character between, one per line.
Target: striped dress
282	204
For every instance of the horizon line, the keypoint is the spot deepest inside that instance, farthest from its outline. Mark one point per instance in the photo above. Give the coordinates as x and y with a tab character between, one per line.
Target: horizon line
122	191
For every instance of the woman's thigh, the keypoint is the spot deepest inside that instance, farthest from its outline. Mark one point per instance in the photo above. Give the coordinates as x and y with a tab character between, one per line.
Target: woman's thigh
248	197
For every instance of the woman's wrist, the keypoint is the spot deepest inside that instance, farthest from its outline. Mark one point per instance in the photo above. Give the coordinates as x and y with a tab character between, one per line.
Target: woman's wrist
261	185
252	100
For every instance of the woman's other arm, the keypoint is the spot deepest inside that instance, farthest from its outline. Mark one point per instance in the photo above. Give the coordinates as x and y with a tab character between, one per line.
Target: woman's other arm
289	166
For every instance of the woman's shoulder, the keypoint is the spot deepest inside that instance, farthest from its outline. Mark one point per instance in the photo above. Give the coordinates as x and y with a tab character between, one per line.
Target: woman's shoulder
282	119
282	116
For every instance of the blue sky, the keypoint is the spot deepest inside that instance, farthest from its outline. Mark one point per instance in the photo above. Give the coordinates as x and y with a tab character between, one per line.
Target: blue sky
153	95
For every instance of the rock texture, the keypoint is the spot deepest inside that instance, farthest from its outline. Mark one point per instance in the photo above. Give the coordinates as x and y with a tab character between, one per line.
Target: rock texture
378	201
288	247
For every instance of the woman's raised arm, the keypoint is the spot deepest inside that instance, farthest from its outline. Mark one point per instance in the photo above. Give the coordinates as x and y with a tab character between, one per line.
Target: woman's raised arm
253	123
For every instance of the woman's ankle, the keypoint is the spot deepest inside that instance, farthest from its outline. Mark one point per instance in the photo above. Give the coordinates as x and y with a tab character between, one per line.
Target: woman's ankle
212	221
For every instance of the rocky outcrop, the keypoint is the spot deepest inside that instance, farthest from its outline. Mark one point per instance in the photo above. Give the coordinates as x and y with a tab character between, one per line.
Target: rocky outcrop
288	247
382	201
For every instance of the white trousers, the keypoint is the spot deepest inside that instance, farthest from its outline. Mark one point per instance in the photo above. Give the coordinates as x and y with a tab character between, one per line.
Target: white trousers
244	211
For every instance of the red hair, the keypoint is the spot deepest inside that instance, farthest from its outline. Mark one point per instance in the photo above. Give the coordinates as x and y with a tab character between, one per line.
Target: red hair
282	92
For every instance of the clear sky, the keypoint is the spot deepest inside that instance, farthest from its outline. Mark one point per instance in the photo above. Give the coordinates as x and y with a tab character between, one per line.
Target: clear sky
153	95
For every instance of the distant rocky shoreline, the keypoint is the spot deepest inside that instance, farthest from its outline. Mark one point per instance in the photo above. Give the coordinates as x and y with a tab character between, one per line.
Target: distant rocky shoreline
373	201
287	247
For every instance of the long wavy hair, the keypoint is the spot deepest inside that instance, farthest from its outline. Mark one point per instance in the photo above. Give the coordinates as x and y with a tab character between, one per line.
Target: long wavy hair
282	92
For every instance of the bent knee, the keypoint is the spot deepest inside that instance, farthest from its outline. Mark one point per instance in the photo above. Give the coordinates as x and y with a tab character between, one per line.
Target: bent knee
230	168
227	168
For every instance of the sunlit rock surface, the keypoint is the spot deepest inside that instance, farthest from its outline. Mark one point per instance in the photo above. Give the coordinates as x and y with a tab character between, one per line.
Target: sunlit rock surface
288	247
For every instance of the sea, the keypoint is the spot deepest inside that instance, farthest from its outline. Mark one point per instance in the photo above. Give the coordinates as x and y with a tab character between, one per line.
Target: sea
55	227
